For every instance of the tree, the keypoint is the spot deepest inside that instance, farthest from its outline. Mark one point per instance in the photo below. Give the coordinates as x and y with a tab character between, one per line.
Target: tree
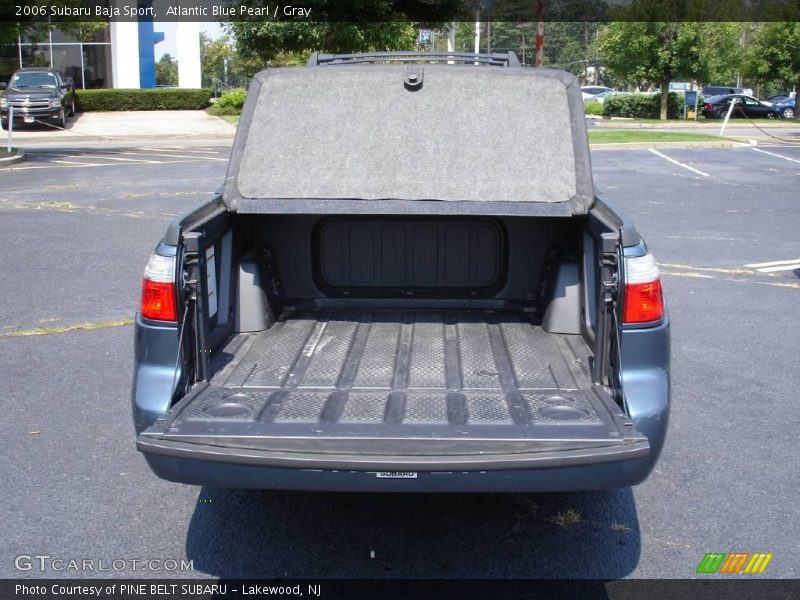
38	30
363	26
167	71
656	52
725	52
774	53
221	61
214	54
271	40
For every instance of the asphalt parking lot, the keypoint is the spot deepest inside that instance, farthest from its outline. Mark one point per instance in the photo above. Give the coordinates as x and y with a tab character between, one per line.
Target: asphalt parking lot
77	225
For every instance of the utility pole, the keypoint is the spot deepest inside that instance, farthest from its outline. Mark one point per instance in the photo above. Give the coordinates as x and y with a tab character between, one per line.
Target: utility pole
539	49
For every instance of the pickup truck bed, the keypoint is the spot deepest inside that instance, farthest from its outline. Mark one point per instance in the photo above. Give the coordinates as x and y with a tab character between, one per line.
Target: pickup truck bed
400	382
407	284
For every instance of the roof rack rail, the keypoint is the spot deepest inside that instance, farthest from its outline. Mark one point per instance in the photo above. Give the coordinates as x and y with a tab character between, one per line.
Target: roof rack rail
499	59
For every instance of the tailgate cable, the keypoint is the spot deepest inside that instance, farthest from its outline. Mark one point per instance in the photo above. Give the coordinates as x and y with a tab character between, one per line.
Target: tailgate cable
180	346
618	348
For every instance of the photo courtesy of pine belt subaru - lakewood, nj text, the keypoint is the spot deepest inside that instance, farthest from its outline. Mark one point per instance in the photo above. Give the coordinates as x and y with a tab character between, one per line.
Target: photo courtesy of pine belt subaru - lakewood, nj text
385	297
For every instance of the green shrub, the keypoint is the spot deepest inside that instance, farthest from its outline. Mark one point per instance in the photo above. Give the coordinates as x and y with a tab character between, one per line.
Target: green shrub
642	106
147	99
230	103
593	108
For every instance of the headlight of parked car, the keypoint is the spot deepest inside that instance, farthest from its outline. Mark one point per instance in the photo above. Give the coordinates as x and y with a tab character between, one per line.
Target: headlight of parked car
3	102
55	102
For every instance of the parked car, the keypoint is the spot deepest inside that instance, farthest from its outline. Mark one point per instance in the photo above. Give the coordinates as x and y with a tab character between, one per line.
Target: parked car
716	107
602	96
389	307
37	94
591	91
785	108
779	97
720	90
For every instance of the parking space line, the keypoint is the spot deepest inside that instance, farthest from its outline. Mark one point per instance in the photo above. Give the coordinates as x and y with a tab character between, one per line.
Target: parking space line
105	157
78	165
776	269
773	263
680	164
775	154
173	156
70	162
709	269
184	149
779	284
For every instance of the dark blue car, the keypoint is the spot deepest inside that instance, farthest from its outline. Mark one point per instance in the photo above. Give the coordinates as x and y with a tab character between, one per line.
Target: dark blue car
388	295
785	108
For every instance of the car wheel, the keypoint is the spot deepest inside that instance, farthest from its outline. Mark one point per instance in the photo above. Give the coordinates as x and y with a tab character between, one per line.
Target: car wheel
72	107
788	113
63	120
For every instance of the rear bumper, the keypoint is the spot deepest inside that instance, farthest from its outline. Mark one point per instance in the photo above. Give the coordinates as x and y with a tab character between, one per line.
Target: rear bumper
586	469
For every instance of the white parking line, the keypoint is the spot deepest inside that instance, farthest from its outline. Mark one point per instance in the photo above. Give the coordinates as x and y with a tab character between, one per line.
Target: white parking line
173	156
680	164
773	263
106	157
199	151
794	160
76	165
780	268
70	162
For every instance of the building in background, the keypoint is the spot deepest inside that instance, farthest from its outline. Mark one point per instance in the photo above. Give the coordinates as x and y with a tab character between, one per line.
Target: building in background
119	56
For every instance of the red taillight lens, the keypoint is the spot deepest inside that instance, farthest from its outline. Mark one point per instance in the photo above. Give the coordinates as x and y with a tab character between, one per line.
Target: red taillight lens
708	106
644	301
159	300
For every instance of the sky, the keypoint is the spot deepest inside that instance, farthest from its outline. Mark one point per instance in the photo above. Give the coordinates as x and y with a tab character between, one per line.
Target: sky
168	46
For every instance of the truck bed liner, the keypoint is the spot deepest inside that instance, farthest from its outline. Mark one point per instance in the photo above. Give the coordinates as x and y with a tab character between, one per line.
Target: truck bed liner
397	377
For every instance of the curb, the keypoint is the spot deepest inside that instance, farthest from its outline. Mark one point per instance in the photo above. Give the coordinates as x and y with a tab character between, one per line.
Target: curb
703	144
12	160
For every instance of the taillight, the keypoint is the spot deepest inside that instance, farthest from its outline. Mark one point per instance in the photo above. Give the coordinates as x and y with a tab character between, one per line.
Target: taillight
158	289
644	302
708	106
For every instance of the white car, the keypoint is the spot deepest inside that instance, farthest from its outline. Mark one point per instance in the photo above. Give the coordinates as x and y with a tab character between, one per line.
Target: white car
589	91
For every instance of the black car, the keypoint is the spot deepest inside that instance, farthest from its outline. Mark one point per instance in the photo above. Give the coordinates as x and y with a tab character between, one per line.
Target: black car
716	107
38	94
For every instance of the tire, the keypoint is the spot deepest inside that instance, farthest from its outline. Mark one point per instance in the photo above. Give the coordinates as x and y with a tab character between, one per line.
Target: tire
72	107
62	122
788	113
771	115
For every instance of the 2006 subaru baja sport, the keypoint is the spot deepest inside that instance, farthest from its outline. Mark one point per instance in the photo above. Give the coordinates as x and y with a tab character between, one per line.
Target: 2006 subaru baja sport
406	283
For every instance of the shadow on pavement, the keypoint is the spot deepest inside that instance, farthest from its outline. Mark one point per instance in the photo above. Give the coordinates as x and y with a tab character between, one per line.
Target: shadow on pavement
262	534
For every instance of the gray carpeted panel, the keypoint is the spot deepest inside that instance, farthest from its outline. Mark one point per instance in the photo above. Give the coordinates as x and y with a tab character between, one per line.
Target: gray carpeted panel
470	134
